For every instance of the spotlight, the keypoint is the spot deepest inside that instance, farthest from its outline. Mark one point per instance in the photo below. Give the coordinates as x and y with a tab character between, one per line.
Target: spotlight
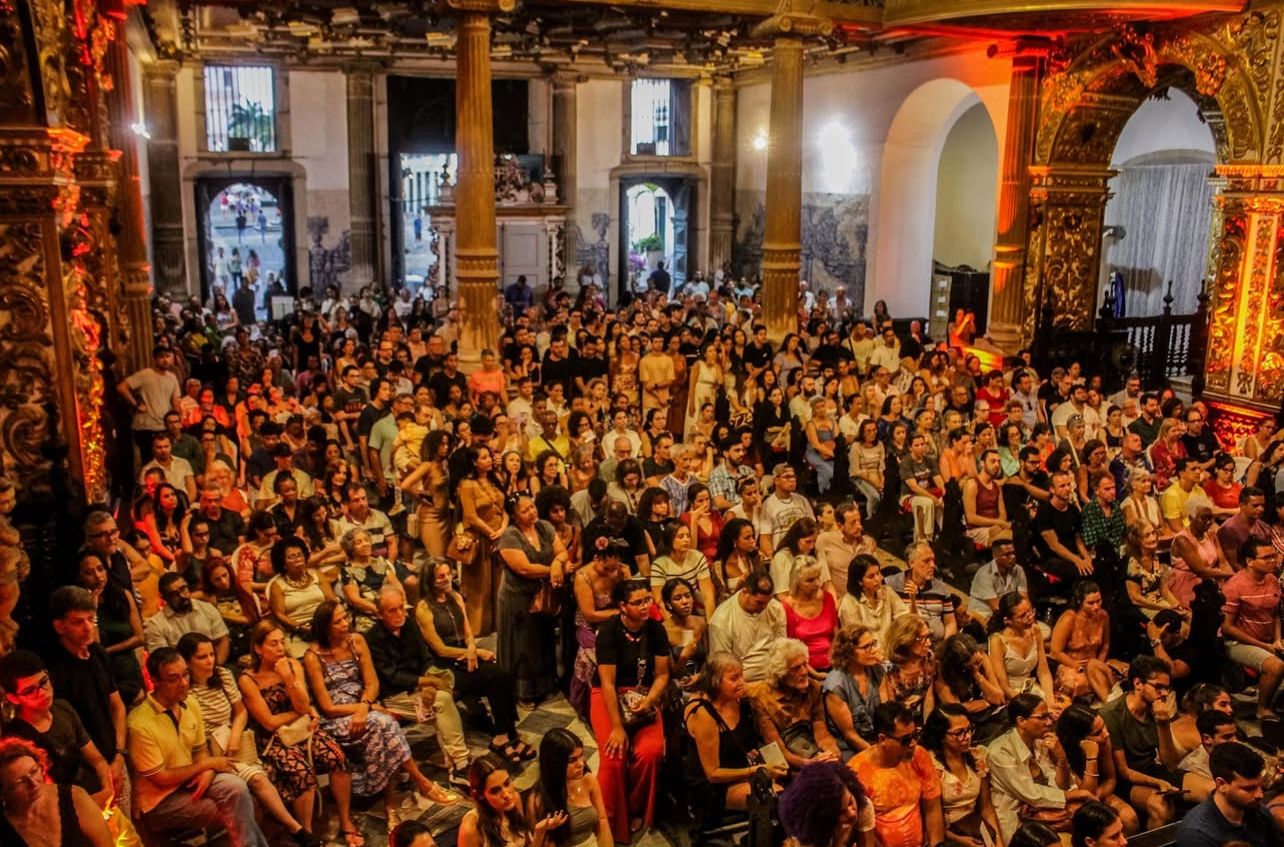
140	129
760	141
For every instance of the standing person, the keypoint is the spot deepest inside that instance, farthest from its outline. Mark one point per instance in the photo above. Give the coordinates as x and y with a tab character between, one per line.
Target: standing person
534	561
151	392
632	674
484	520
1233	813
37	813
901	782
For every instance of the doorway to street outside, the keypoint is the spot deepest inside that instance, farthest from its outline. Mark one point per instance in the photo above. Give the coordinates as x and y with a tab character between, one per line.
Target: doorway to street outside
654	227
244	238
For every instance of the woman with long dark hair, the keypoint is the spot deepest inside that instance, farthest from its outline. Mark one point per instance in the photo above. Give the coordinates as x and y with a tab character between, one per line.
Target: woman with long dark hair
1089	753
497	818
162	525
566	785
430	484
1097	825
481	503
1016	648
120	627
737	555
968	679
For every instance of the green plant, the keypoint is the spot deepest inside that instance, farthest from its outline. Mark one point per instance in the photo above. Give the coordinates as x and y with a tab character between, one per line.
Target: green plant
650	243
250	120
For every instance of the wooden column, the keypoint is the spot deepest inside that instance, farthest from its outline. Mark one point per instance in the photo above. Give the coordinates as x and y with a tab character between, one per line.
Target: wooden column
782	239
477	257
722	189
160	112
1007	278
361	178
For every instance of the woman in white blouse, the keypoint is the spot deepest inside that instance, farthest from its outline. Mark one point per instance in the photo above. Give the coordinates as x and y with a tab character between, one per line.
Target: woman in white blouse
868	601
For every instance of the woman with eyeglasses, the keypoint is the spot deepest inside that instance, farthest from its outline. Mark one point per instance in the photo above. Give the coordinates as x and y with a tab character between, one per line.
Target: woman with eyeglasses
37	812
632	675
964	774
854	688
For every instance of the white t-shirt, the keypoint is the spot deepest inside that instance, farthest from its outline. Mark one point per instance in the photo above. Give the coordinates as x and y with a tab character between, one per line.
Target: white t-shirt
778	515
177	474
747	637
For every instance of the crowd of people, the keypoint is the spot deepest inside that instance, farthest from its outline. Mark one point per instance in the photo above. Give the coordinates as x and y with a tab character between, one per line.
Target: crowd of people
852	585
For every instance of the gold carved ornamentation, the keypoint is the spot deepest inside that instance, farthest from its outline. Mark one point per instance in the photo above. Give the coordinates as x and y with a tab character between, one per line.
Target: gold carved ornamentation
26	351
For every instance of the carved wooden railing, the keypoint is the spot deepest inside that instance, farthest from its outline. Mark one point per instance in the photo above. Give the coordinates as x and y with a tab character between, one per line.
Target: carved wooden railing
1164	347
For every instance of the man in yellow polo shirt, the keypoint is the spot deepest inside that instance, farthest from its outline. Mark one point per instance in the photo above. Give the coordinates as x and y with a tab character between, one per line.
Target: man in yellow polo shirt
179	786
1184	487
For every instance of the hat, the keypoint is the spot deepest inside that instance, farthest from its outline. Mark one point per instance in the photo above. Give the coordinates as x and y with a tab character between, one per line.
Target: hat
782	469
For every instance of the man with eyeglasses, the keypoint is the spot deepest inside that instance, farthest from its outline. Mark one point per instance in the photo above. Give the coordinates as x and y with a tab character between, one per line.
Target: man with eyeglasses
900	781
53	725
124	563
179	786
782	508
1028	767
1201	445
1251	620
1140	725
227	528
180	615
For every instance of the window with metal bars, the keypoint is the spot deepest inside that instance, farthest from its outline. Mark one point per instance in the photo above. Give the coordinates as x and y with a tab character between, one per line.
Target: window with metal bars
240	108
659	117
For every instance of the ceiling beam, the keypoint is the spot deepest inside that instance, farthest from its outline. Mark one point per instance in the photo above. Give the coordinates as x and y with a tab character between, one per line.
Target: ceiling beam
838	12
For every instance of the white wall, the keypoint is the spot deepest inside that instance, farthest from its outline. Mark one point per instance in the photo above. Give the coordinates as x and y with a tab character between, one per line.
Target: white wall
966	191
319	130
888	194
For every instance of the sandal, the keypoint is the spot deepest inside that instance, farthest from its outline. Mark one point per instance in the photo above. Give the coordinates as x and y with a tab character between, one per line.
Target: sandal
525	752
508	752
353	838
394	819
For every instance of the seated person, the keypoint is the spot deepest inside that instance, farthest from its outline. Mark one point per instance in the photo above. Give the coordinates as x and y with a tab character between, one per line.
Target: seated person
724	734
364	575
1140	724
182	614
53	726
32	804
748	623
1196	779
295	592
1251	620
177	784
1001	575
983	507
789	706
900	781
1233	812
924	594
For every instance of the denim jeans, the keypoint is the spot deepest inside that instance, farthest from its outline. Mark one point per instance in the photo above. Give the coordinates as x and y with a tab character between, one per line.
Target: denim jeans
226	802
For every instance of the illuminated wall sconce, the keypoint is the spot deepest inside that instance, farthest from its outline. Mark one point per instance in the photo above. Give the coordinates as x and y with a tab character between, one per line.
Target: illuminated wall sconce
760	141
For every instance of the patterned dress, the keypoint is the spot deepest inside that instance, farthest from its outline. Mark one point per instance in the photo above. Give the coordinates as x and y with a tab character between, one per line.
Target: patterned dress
289	768
384	748
586	656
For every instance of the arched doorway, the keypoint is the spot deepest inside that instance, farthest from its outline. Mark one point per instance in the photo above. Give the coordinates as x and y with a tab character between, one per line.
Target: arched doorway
656	217
1158	217
909	194
245	238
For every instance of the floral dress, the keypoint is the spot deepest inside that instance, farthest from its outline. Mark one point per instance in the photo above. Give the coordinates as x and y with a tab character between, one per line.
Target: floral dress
586	656
381	749
910	685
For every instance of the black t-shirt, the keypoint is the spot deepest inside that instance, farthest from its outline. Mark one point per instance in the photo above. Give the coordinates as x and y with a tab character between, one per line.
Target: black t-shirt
426	366
1201	447
226	532
62	743
1067	524
440	383
370	415
630	652
591	368
349	401
652	468
756	357
87	685
559	370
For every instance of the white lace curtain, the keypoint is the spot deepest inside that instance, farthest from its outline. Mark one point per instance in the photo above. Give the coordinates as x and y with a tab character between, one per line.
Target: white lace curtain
1164	210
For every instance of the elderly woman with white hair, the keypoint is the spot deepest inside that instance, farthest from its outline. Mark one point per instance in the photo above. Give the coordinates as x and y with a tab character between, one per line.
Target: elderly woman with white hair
363	576
789	706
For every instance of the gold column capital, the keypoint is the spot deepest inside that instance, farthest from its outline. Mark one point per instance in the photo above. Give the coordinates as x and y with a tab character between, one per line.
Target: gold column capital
484	7
793	25
162	69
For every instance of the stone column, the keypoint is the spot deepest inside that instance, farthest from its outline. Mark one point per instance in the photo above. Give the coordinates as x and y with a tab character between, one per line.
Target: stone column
361	178
782	239
565	123
476	254
1007	278
160	109
722	185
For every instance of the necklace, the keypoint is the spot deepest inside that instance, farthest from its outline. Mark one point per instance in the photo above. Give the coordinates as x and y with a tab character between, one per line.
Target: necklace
299	583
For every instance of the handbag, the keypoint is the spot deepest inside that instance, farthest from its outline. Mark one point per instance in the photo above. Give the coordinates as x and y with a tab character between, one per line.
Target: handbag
798	738
631	714
463	547
295	732
547	600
